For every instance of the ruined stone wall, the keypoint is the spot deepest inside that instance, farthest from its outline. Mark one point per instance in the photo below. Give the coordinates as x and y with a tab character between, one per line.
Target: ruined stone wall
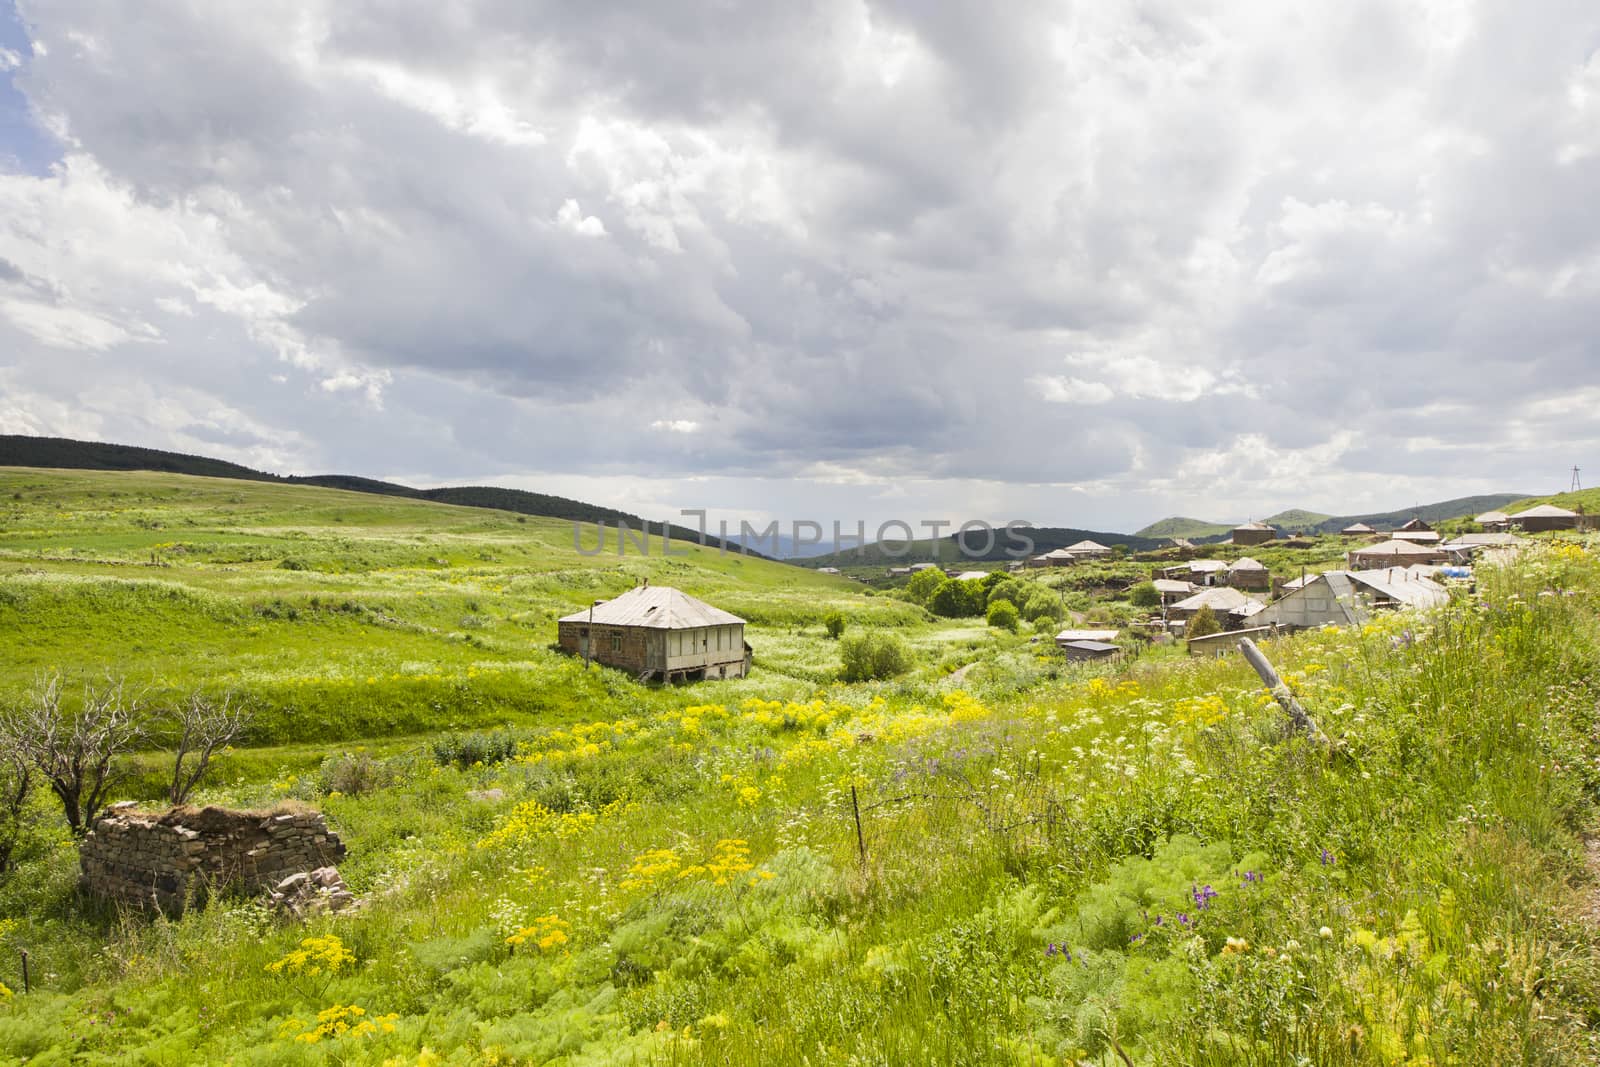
161	860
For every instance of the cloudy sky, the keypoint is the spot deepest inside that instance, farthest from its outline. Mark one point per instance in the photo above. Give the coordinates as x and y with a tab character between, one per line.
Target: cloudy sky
1086	263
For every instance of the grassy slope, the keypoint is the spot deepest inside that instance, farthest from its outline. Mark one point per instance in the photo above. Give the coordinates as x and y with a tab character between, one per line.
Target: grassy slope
178	581
1586	500
1021	842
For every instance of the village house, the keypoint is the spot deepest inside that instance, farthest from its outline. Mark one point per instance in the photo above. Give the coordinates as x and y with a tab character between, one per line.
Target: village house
1253	533
969	576
1348	598
1087	550
1230	606
657	632
1357	529
1417	537
1493	521
1393	554
1173	590
828	570
1247	573
1544	518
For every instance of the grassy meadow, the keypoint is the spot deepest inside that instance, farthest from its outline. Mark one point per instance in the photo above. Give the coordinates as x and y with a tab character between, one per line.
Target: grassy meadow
1037	865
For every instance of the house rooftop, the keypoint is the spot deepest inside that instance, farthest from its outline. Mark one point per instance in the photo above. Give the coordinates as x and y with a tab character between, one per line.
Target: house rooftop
1545	511
659	607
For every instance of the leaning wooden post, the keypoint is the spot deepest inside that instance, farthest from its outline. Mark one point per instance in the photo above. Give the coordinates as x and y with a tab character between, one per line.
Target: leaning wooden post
861	841
1279	691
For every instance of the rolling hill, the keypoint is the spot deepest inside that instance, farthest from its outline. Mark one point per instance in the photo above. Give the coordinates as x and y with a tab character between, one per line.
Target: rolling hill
1319	522
61	453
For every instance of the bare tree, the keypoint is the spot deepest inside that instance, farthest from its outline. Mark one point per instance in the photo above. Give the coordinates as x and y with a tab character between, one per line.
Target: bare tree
78	754
203	727
16	785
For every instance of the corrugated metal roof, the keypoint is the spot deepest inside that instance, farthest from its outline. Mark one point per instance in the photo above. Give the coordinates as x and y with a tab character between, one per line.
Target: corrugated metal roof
1245	563
1091	646
1358	527
1222	598
1206	566
1397	549
1172	585
1087	546
972	576
1252	526
1492	516
1085	635
659	607
1546	511
1413	590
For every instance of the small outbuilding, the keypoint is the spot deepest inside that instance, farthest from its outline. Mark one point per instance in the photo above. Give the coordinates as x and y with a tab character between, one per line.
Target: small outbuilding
1253	533
1493	521
1247	573
1081	651
1173	590
657	632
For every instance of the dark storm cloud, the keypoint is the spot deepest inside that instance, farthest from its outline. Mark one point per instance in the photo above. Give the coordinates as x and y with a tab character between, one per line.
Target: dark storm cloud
1238	249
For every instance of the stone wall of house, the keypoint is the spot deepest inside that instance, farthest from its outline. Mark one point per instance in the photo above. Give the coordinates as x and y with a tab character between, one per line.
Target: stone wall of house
161	860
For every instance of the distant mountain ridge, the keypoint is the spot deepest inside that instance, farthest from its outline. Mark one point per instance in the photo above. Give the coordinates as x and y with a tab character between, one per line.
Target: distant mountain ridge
1297	519
945	550
18	450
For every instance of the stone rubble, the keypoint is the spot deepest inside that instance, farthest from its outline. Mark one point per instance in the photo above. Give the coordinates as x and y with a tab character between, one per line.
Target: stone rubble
166	860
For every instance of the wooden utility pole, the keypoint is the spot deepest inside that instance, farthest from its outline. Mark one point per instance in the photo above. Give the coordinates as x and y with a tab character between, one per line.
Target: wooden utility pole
1280	691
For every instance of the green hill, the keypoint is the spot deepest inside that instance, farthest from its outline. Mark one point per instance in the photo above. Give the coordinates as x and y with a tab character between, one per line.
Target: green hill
1584	501
1296	519
65	454
1178	526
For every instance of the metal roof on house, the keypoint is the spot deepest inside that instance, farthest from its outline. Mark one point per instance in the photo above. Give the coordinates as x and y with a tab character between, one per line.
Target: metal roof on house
659	607
1493	516
1396	549
1087	546
1358	528
1172	585
1252	526
1483	540
1245	563
1402	585
971	576
1090	646
1085	635
1206	566
1417	537
1221	598
1545	511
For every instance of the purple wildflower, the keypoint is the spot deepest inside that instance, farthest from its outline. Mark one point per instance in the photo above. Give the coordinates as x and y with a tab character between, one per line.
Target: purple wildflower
1327	858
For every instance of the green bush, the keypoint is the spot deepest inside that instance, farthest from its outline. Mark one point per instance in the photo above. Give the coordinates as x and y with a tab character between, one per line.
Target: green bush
354	773
923	584
466	750
873	656
1144	595
1040	605
957	600
1203	623
1003	615
833	622
1010	590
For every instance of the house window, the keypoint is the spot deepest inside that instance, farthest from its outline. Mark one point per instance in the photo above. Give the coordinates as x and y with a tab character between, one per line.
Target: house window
616	642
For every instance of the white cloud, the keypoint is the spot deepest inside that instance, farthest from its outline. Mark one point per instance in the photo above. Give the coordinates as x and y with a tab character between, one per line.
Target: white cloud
676	425
571	217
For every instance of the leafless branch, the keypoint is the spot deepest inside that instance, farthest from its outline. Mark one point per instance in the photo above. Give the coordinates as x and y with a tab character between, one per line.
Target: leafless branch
204	726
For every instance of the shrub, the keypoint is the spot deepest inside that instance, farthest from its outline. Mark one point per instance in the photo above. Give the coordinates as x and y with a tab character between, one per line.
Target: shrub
466	750
1203	623
1009	590
955	600
833	622
353	773
1003	615
923	585
1144	595
1040	605
873	655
